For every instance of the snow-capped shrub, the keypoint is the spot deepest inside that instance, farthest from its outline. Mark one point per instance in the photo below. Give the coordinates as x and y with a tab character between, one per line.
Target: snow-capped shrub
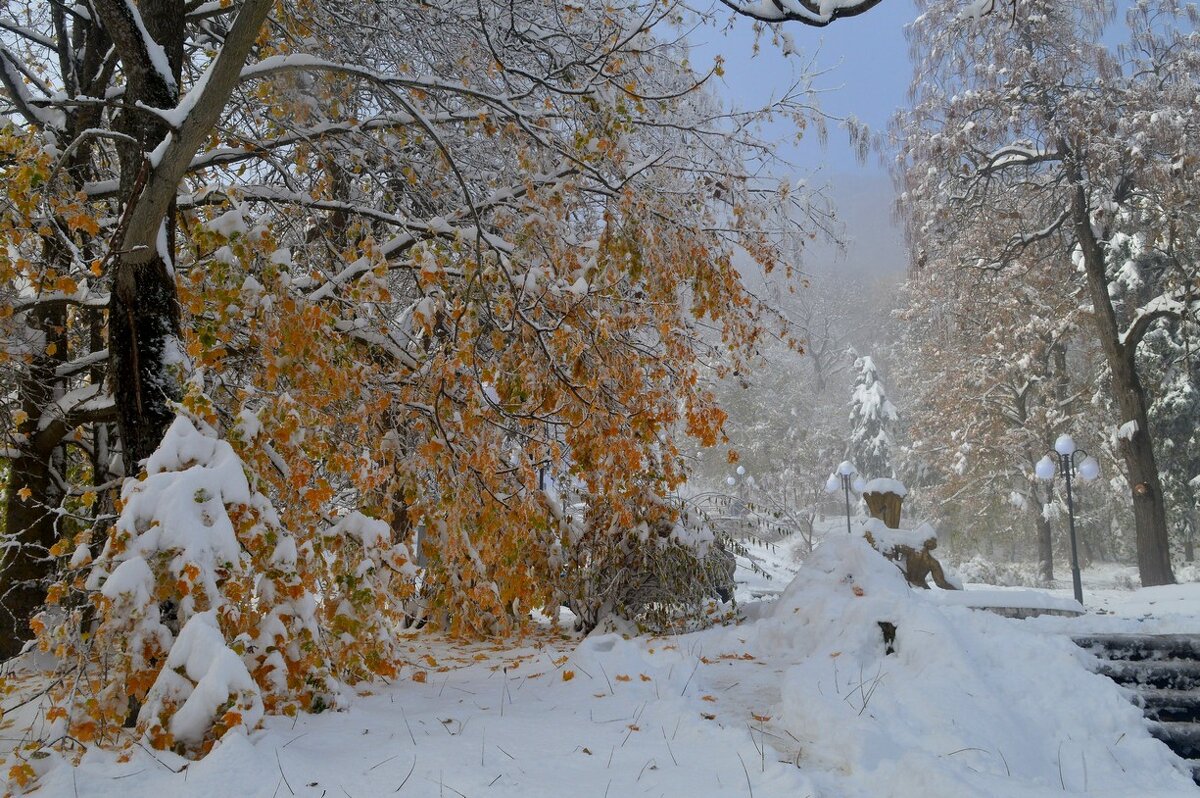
200	612
639	563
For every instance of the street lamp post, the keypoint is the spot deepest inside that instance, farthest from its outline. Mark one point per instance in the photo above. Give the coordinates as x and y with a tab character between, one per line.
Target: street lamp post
845	477
1069	463
740	482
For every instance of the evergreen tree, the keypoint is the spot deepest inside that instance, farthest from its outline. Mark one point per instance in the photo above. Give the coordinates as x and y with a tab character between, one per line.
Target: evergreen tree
871	420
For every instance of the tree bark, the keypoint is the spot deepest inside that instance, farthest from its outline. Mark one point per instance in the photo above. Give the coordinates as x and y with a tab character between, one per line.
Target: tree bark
1045	538
143	311
1149	506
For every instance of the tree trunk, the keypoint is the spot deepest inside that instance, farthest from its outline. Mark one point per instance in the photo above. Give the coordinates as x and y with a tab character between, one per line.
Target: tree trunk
1149	507
26	565
143	310
886	507
143	329
143	313
1045	538
33	496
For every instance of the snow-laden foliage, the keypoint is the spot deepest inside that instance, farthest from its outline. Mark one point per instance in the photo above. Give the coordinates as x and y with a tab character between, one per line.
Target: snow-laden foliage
198	609
405	279
1037	150
872	417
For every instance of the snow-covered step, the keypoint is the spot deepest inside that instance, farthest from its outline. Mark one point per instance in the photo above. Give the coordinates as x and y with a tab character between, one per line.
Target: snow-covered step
1182	738
1141	647
1176	706
1169	674
1163	673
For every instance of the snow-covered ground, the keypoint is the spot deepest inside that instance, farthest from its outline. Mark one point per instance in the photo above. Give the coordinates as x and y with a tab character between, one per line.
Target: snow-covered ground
800	699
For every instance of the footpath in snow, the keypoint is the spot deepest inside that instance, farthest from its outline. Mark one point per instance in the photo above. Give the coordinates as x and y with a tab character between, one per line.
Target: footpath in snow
801	699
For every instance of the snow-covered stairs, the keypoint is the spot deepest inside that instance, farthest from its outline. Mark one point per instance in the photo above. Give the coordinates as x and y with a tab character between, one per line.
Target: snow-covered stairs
1163	671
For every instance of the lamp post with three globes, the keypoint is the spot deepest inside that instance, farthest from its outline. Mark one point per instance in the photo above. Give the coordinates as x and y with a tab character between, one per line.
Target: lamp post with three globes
1071	461
846	477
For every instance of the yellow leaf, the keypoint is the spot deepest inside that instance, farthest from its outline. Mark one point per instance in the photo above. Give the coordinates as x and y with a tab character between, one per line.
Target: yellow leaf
568	676
25	493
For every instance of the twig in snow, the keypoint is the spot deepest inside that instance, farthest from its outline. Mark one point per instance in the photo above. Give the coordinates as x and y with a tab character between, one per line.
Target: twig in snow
406	778
689	678
294	739
747	772
281	773
610	690
643	770
668	742
411	736
384	762
159	761
506	753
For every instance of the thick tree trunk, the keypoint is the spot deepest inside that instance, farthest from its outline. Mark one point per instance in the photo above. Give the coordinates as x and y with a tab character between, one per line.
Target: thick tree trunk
143	313
143	332
1149	507
143	310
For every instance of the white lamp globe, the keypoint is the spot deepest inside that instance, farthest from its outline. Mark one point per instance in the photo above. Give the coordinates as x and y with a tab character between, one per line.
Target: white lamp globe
1065	445
730	481
741	470
1089	469
1044	468
859	484
846	468
831	484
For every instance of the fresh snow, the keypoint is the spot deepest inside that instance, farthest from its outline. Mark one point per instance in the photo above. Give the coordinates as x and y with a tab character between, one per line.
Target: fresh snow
799	699
886	485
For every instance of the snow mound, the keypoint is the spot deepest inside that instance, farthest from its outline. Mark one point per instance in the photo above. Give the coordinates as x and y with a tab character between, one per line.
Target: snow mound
203	684
969	703
886	485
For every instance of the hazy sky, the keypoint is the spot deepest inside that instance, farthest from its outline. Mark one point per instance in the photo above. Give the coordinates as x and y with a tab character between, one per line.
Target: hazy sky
865	61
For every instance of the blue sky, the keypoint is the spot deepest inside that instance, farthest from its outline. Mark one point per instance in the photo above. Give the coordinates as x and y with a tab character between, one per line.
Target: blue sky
868	73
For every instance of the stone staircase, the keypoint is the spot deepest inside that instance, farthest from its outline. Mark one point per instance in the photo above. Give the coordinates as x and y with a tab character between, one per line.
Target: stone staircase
1163	671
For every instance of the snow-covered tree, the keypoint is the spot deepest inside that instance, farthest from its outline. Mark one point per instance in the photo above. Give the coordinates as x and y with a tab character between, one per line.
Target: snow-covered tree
872	417
407	275
1032	142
